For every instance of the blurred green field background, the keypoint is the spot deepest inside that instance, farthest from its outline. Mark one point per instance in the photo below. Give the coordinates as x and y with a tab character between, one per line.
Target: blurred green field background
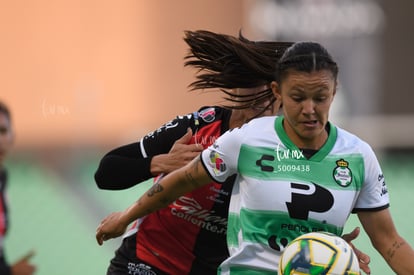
55	208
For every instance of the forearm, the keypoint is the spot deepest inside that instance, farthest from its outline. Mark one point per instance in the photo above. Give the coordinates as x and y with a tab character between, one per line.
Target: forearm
168	189
157	197
381	230
162	193
399	256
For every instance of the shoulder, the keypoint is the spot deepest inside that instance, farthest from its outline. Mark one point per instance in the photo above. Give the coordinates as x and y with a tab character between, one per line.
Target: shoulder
256	128
346	139
258	125
204	115
209	114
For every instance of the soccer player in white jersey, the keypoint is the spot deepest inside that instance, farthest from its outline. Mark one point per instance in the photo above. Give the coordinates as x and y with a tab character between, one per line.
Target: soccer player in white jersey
296	173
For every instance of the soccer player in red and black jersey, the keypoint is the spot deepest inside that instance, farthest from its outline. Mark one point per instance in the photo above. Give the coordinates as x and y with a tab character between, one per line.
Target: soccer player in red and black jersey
22	266
189	236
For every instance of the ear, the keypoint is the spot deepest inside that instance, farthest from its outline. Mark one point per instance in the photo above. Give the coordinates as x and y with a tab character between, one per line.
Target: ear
336	86
276	90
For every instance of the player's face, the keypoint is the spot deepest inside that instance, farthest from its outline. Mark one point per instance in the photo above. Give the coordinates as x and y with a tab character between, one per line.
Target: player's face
6	137
306	100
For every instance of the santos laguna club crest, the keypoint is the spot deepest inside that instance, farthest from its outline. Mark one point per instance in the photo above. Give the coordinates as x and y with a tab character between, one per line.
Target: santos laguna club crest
342	174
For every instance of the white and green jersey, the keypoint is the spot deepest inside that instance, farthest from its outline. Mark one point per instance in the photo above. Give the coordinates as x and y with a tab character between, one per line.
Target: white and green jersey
279	194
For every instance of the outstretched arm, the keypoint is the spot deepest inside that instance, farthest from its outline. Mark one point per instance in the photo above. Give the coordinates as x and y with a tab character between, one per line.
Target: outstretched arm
161	194
394	249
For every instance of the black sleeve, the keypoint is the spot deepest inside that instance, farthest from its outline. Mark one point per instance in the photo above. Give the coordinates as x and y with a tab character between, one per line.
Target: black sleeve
122	168
130	164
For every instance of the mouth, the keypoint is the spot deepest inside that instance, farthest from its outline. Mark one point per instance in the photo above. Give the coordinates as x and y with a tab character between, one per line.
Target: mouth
310	123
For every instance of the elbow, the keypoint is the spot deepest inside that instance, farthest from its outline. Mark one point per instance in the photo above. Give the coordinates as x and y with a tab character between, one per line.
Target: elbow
103	179
100	180
107	180
103	176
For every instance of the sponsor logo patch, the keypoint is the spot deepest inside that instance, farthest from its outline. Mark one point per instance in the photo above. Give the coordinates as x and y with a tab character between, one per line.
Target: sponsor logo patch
217	164
208	115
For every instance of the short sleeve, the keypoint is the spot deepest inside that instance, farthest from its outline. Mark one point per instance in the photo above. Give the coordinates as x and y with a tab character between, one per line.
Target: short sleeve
221	158
374	192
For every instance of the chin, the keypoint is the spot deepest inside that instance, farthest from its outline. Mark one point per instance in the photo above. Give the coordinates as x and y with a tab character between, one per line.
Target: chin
310	135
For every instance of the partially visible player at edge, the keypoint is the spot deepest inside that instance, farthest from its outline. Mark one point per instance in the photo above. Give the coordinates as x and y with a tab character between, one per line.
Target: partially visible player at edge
22	266
158	241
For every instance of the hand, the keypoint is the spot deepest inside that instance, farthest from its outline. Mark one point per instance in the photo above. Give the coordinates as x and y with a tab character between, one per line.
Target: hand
23	266
179	155
363	258
110	227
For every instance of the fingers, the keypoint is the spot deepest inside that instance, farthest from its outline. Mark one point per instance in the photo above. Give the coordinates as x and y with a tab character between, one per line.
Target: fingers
110	227
365	267
363	259
182	145
185	139
351	235
100	235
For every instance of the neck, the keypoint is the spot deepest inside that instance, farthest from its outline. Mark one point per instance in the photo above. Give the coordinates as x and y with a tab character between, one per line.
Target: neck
237	119
312	143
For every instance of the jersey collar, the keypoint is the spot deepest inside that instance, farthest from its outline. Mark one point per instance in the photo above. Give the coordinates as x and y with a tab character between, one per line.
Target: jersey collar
322	152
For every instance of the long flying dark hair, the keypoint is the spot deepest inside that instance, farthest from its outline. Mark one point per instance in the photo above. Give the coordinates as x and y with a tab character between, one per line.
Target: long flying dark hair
226	62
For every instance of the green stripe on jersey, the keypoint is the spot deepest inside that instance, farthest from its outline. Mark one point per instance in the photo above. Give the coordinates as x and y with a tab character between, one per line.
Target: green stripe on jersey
264	226
285	165
235	270
233	227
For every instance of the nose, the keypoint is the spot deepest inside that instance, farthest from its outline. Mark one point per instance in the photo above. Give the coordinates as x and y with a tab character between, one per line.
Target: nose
308	107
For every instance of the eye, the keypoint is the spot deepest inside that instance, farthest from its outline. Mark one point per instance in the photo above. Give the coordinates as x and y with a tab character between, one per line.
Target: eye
320	99
297	98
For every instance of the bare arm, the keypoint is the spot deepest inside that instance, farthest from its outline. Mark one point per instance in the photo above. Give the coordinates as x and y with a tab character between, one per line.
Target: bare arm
394	249
160	195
